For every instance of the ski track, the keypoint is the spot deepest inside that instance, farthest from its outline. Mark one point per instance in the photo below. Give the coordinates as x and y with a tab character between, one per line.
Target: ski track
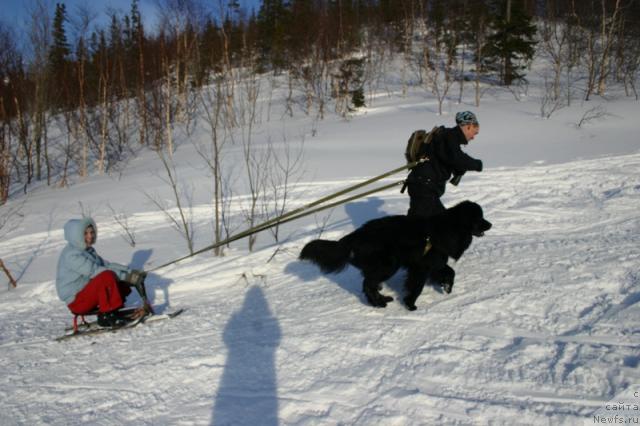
539	329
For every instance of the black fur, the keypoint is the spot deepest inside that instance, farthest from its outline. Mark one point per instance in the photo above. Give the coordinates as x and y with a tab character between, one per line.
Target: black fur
382	246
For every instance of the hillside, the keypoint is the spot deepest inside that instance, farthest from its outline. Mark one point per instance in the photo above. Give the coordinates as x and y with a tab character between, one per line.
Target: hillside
542	326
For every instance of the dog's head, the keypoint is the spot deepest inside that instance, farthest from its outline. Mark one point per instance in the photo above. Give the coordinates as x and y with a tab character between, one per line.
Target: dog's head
453	230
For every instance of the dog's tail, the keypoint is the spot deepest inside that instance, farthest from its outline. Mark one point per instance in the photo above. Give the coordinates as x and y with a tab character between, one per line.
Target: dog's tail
330	256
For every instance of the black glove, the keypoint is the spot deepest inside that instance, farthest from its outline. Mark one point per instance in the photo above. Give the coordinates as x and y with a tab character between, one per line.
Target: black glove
455	180
479	165
136	277
457	175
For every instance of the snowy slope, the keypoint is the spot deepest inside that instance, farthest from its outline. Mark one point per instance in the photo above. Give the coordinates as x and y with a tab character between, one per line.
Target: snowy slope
542	327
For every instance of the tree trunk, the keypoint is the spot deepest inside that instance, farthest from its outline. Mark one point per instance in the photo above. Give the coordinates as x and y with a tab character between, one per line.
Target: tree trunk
607	43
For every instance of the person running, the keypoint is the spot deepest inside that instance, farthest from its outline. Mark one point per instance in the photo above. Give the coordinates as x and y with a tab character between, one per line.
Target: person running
443	158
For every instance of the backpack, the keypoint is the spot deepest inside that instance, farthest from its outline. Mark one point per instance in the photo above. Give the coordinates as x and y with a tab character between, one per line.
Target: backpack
416	141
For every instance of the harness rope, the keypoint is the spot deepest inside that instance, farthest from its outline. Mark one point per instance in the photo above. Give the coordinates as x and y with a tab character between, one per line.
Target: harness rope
303	211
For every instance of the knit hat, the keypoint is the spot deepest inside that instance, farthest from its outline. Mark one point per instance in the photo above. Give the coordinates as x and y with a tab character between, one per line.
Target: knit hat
466	117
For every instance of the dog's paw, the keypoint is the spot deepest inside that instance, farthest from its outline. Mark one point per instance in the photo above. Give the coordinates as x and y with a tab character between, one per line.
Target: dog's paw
379	303
378	300
410	304
447	288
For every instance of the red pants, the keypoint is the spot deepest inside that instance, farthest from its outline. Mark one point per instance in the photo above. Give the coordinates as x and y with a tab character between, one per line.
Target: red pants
104	292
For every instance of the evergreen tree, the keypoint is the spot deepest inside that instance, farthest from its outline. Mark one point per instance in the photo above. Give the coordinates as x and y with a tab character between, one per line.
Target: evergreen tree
58	56
302	30
136	21
116	43
512	42
59	52
273	20
136	55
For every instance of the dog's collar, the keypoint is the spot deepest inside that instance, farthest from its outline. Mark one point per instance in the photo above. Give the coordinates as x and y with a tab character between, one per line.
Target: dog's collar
427	247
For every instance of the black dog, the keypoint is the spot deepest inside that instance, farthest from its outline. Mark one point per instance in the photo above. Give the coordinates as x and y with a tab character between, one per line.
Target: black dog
382	246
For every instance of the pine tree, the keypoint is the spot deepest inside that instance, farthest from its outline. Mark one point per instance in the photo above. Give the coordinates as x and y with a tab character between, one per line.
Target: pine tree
58	56
59	52
512	42
273	20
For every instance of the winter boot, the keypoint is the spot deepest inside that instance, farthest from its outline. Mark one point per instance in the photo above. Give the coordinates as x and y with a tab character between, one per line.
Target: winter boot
111	319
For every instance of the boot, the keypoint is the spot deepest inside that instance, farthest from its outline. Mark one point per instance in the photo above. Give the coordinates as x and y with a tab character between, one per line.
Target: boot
111	319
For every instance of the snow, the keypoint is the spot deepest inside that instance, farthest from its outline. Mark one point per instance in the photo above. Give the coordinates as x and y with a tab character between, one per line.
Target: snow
542	327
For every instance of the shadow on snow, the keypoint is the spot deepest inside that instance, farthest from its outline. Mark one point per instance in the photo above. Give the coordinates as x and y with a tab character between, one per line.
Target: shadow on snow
247	393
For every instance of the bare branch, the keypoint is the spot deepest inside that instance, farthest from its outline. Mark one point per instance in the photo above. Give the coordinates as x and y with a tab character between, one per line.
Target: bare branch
183	223
123	220
595	113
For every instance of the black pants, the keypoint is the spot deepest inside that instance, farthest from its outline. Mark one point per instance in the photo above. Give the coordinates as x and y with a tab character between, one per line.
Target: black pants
425	205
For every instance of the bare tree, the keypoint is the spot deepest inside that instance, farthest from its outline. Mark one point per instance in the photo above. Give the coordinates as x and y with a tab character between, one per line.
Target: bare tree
141	97
554	46
212	101
609	28
376	58
313	76
85	211
594	113
16	143
39	43
437	65
229	80
321	224
574	51
256	161
179	19
168	102
283	176
555	50
182	221
122	219
347	83
549	101
63	123
480	30
408	30
81	23
25	143
8	58
599	42
104	89
627	55
5	153
590	59
630	65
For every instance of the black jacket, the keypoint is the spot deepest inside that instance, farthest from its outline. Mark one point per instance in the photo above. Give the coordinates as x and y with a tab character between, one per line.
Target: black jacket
445	157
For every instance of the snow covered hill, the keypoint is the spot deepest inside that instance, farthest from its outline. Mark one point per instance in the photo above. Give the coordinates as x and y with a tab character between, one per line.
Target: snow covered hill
542	326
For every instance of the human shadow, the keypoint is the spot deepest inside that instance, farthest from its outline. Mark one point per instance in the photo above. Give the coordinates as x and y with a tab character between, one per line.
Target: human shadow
139	258
361	212
248	393
358	213
154	283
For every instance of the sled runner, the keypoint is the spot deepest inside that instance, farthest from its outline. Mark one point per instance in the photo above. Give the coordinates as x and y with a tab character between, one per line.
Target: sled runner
89	328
